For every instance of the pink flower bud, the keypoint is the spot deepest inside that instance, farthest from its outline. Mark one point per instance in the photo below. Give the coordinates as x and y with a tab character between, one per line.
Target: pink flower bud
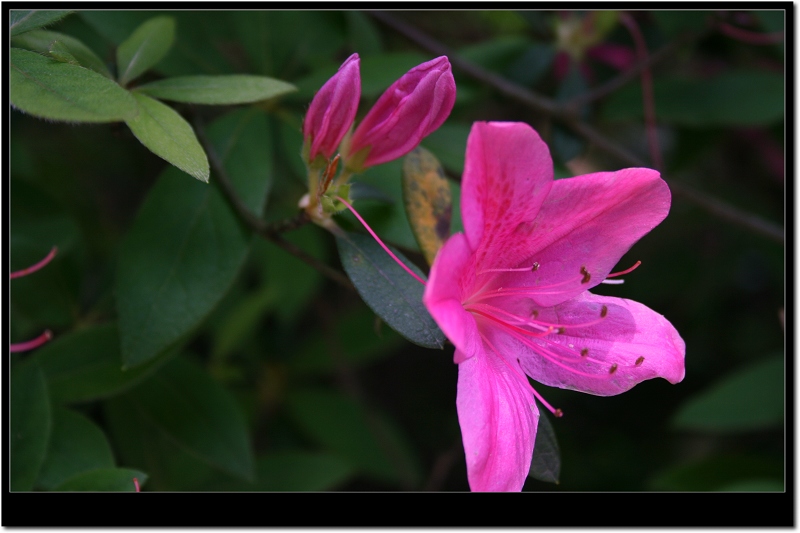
412	108
333	110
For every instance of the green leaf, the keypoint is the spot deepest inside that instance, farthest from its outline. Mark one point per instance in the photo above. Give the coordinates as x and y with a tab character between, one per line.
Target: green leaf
104	480
533	64
77	446
183	404
546	462
60	91
734	98
165	133
60	52
21	21
146	46
368	440
567	145
750	399
363	34
86	365
40	41
717	471
388	289
291	470
426	196
355	329
31	424
449	143
186	245
217	90
674	23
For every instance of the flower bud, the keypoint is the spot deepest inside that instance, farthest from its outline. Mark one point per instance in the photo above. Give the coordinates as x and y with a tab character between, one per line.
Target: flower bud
412	108
333	110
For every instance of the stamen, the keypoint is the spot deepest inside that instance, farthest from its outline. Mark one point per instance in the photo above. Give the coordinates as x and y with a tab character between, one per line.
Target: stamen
586	275
136	481
31	344
604	312
613	368
557	412
584	352
631	269
534	268
639	361
37	266
379	241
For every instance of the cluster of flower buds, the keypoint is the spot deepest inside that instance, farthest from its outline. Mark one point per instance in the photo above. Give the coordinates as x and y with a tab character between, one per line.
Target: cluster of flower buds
412	108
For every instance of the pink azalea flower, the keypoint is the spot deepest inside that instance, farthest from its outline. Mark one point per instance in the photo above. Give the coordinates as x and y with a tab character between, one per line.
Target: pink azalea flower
411	109
333	110
511	293
46	336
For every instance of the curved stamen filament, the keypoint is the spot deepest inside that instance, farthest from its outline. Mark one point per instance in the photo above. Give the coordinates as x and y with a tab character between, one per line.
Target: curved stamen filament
37	266
379	241
524	379
31	344
539	323
627	271
507	325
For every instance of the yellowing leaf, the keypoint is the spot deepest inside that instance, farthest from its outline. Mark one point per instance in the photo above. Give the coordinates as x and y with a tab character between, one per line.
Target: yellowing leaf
426	194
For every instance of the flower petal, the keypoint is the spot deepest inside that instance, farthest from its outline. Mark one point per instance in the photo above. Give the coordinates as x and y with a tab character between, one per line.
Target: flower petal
498	418
444	293
508	173
585	226
632	343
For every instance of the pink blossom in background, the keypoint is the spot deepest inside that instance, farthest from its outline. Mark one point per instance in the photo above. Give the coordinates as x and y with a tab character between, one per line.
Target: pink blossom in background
333	110
412	108
512	294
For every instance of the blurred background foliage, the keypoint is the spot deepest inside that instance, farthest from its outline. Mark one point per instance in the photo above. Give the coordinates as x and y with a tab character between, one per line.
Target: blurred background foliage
276	378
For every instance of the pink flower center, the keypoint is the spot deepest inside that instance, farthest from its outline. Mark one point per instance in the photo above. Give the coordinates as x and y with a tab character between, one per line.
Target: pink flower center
535	332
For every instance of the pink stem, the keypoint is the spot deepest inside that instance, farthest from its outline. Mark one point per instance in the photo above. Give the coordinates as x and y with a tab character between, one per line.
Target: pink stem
37	266
647	90
379	241
749	37
31	344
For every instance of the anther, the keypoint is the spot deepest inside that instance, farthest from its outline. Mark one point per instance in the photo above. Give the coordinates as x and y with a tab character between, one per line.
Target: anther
558	413
562	330
603	312
586	275
613	368
639	361
534	313
535	267
584	352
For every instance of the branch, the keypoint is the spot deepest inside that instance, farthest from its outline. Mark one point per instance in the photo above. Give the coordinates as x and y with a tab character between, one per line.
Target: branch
271	232
565	115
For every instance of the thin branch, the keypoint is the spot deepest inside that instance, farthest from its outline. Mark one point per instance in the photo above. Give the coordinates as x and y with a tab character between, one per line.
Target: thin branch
271	232
565	115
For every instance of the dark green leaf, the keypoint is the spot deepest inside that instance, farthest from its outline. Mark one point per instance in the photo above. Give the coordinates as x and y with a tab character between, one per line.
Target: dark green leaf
676	22
751	399
388	289
567	145
427	199
290	470
86	365
187	245
21	21
449	143
356	331
60	91
363	34
533	64
496	54
192	410
367	439
146	46
165	133
754	485
217	90
77	446
104	480
40	41
734	98
30	424
546	462
717	471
